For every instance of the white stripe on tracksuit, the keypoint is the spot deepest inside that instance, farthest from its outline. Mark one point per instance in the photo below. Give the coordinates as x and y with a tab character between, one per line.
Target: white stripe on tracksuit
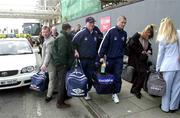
104	39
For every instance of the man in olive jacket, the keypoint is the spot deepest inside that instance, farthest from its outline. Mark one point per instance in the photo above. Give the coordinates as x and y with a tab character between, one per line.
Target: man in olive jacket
62	55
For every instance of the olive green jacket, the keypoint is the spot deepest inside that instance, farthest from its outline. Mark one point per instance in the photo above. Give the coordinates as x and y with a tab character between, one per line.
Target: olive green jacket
62	52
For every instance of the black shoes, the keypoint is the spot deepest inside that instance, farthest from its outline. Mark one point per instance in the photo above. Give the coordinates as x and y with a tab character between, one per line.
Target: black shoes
132	91
63	105
138	95
170	111
48	99
55	92
67	98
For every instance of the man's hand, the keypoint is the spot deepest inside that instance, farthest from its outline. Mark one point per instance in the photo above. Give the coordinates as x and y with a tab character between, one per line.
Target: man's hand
102	60
76	54
43	68
143	52
149	52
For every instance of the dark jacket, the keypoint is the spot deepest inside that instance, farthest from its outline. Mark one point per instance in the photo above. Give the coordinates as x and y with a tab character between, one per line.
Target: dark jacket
136	59
97	30
113	43
62	52
86	43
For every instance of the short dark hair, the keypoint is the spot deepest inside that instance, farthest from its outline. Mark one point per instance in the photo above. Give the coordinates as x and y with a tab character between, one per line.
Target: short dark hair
45	28
66	26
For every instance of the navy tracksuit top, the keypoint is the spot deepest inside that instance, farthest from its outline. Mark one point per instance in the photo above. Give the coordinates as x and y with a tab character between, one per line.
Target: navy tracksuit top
113	44
86	43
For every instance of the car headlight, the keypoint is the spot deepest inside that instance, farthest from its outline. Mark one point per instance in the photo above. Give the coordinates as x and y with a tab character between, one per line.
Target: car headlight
27	69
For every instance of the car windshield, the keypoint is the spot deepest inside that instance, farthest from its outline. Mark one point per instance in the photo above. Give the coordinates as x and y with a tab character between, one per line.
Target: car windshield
16	47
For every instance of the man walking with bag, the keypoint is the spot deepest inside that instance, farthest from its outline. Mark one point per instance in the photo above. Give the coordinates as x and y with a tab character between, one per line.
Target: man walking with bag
113	46
85	43
62	57
47	64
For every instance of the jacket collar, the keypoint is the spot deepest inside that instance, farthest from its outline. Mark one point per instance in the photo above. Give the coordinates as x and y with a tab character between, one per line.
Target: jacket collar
64	32
89	31
48	38
119	28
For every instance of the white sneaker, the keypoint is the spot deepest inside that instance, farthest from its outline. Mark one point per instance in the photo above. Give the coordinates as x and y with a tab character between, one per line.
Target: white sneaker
115	98
87	97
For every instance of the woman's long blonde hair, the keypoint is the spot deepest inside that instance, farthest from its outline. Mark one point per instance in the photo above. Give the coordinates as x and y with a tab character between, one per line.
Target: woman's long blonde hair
167	30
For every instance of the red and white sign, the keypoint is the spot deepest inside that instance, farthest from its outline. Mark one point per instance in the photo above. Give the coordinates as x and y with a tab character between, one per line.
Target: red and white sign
105	23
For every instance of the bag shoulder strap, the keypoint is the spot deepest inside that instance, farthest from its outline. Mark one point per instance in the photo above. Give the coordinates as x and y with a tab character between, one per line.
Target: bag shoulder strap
76	64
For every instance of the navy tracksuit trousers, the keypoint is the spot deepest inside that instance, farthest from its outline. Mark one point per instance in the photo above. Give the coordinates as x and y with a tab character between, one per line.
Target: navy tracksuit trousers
88	66
115	66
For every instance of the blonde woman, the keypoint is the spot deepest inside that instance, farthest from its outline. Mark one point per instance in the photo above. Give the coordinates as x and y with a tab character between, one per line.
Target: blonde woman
139	51
168	63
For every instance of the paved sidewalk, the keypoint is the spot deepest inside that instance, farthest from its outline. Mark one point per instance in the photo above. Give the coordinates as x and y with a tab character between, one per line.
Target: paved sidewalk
129	106
25	103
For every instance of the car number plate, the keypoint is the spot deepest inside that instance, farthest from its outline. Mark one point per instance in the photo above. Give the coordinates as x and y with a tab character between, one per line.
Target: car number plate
6	82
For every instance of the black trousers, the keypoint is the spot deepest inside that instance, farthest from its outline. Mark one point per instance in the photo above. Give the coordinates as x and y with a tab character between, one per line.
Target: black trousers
138	82
61	75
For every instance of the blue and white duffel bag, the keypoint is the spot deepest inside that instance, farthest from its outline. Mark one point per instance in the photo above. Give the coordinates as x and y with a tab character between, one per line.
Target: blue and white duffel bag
104	83
76	81
39	81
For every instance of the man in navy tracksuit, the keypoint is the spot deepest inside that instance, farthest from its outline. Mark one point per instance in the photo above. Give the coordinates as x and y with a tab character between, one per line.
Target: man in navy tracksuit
98	31
113	46
86	43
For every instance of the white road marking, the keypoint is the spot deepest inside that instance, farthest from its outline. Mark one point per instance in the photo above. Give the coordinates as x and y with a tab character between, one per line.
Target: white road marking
39	111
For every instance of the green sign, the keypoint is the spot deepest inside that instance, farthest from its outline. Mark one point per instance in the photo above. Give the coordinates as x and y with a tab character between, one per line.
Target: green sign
72	9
